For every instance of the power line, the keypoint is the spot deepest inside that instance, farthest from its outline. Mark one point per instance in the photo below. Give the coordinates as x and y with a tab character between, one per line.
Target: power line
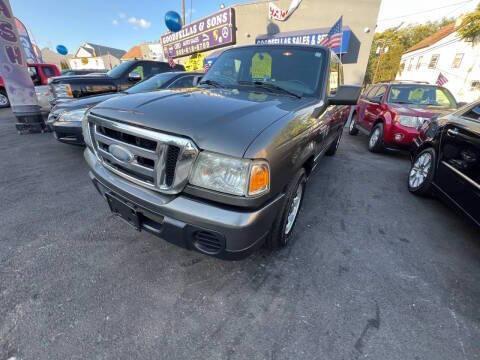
425	11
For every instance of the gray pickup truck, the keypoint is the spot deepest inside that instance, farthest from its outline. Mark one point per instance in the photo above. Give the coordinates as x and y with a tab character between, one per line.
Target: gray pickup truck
222	168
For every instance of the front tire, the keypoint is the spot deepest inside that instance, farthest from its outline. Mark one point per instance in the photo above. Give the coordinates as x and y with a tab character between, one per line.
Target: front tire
375	141
352	128
4	101
284	224
332	149
421	173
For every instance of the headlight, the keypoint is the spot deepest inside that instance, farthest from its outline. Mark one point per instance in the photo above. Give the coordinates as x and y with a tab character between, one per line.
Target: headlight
74	115
411	121
63	90
87	136
230	175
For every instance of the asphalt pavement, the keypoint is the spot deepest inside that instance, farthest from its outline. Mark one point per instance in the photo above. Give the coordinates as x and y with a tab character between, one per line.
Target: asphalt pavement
373	272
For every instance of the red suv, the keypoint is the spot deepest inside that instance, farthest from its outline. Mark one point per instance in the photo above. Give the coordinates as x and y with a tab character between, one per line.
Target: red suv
391	113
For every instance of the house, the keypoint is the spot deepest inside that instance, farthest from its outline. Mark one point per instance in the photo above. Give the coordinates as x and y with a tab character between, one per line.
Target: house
145	51
445	53
52	57
93	56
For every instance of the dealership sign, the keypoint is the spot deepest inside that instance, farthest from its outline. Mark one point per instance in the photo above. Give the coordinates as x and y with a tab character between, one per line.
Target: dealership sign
312	37
214	31
277	13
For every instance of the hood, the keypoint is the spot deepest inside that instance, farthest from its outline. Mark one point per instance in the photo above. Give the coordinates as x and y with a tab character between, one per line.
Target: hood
86	102
219	120
420	111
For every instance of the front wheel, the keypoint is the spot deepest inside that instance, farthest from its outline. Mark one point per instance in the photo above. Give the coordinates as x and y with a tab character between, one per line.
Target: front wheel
4	102
283	226
422	172
375	142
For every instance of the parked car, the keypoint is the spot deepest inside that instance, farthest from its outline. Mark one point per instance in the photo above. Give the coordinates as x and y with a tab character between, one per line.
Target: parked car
390	113
446	160
222	168
40	74
65	119
118	79
71	72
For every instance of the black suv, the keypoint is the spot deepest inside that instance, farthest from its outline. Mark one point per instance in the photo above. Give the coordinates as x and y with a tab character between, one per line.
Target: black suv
222	168
118	79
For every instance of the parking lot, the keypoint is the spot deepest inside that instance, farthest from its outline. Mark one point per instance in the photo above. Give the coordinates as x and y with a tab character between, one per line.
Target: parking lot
373	272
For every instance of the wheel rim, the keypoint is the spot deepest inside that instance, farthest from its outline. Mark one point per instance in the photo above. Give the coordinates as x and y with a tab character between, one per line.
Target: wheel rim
3	100
420	170
374	137
294	208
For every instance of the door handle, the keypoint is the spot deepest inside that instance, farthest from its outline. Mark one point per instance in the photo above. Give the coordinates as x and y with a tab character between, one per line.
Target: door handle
452	132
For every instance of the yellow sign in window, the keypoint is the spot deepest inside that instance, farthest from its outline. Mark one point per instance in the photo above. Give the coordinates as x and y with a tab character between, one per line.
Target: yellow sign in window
261	66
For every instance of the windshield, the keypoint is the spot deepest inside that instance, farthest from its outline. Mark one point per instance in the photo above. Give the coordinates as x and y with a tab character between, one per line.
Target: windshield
421	95
153	83
297	70
119	70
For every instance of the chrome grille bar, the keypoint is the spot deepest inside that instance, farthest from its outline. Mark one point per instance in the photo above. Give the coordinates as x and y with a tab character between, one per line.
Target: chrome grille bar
152	159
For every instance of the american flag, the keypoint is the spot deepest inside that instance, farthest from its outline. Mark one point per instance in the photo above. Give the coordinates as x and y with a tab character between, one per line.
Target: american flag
442	80
171	62
334	36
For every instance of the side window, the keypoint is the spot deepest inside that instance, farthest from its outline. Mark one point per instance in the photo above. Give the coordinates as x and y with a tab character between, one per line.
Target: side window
183	82
380	92
370	92
48	71
334	76
139	70
473	113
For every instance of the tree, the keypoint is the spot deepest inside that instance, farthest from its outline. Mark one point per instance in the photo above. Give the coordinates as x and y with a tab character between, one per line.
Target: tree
383	65
469	28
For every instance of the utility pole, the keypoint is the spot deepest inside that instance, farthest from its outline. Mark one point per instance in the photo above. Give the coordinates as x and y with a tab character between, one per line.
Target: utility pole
183	12
381	49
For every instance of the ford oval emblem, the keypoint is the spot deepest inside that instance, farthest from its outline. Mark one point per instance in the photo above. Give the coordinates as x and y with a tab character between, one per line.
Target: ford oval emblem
120	153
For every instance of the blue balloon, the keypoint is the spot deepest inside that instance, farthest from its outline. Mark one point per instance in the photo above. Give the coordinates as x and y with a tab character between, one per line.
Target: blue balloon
62	49
173	21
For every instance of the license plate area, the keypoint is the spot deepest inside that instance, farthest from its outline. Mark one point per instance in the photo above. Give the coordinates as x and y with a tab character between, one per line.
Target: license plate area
125	211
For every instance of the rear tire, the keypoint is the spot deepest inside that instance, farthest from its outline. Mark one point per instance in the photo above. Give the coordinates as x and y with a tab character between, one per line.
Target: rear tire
352	128
375	141
284	224
4	101
422	172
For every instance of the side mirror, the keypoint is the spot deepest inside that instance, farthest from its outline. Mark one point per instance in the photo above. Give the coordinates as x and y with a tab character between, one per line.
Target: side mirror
196	80
345	95
134	76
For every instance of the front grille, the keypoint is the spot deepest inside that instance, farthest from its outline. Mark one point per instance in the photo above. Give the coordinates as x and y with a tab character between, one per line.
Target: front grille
152	159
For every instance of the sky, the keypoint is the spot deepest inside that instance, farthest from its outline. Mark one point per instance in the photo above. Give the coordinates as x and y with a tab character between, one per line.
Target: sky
123	24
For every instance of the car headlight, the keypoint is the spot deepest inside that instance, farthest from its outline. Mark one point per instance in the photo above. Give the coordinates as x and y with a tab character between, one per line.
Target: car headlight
72	116
411	121
63	90
230	175
87	136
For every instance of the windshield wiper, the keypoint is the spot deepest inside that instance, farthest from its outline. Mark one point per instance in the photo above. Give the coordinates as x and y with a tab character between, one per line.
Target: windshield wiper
271	87
211	83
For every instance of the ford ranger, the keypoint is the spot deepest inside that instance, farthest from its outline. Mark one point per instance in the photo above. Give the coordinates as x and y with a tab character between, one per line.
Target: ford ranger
222	168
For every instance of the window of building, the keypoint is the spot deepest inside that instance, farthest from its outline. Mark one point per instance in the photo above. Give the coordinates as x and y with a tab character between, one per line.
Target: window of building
410	64
475	85
419	63
433	61
457	61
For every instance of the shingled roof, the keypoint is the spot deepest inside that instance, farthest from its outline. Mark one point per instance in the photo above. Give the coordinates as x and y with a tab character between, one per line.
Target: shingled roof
101	50
434	38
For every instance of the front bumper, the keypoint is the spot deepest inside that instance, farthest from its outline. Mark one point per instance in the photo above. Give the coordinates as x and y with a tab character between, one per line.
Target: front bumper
69	132
180	219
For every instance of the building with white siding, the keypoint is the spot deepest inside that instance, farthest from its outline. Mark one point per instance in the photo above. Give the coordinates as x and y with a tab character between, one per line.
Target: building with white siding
445	53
